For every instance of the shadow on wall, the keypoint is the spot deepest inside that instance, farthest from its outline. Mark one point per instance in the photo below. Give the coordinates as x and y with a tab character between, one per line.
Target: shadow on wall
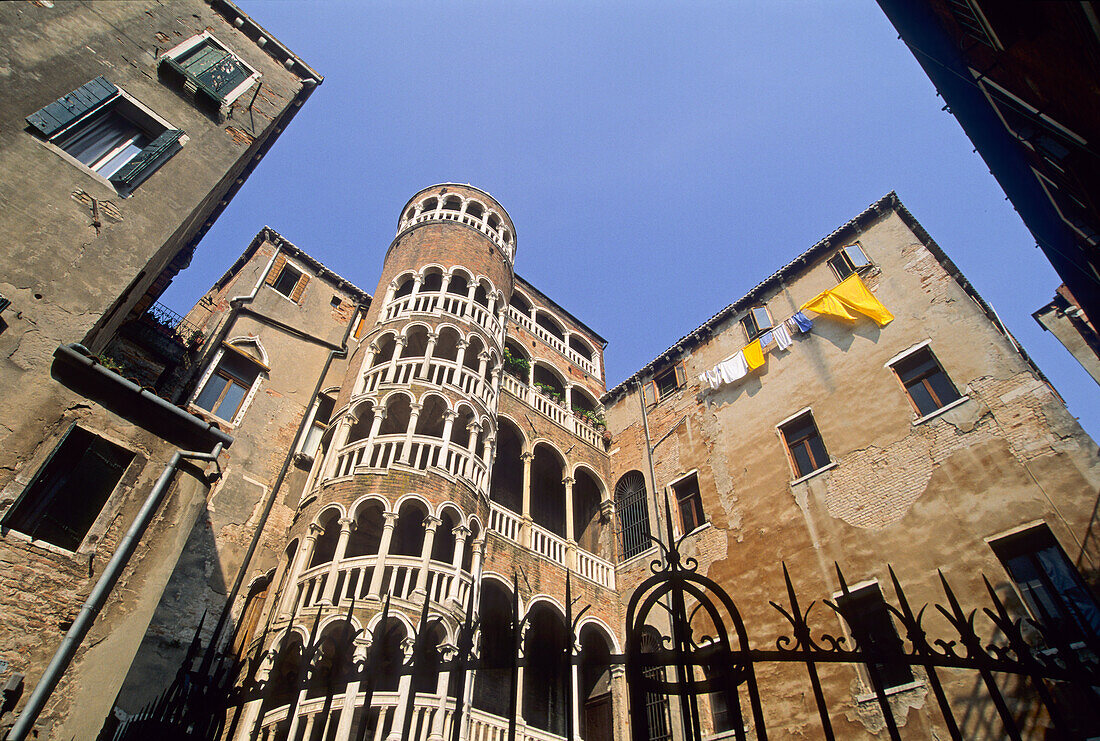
196	585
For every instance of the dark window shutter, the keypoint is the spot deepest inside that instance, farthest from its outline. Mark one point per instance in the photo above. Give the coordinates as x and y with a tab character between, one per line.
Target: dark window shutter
68	108
148	160
681	375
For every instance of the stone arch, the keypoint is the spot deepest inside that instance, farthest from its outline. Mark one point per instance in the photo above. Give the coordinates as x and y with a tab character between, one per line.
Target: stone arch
506	484
443	545
446	345
408	532
386	344
476	208
580	346
550	323
416	340
549	376
364	419
475	347
251	346
547	646
398	413
491	681
369	515
389	636
588	496
325	547
521	302
334	657
452	203
518	351
547	490
285	671
430	421
403	284
594	682
460	281
460	429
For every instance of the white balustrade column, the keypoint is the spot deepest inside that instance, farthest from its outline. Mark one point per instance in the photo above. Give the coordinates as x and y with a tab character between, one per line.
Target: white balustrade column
404	687
447	651
406	449
525	539
432	337
346	526
475	430
498	375
389	519
470	299
351	694
461	533
430	524
569	397
301	563
482	364
339	440
571	540
375	425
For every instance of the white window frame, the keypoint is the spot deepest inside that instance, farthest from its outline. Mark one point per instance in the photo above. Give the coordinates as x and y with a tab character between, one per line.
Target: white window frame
917	417
186	46
310	417
787	450
213	366
296	268
678	522
851	263
146	119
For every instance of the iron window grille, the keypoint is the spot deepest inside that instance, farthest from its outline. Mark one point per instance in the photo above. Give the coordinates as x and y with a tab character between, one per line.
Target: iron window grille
632	509
928	387
804	445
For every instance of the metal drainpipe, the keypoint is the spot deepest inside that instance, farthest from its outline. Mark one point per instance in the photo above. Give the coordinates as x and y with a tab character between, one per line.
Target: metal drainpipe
91	607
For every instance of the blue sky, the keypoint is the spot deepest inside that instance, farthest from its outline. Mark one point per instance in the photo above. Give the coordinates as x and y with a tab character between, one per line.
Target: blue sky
658	159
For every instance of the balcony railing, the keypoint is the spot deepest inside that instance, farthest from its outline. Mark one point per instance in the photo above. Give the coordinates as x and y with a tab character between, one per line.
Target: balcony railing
424	452
439	372
551	547
445	214
558	344
400	579
552	409
445	303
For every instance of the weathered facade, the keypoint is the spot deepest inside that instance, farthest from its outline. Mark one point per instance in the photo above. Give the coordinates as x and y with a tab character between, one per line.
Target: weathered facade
126	129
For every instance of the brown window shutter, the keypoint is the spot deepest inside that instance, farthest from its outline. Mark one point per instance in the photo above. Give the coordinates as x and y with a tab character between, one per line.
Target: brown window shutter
649	392
681	375
276	268
296	295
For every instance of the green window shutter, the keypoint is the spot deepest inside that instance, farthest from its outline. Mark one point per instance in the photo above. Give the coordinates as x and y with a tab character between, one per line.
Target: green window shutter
68	108
148	160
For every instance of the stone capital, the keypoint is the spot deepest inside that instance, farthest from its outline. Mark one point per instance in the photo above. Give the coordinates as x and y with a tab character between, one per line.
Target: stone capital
526	457
389	519
461	532
314	531
346	523
568	480
431	523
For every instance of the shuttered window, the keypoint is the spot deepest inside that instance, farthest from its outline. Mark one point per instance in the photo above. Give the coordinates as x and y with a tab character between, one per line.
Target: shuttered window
203	65
107	133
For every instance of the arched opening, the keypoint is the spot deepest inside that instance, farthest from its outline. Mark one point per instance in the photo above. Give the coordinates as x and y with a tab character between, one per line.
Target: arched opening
459	284
388	638
632	509
505	236
283	680
493	221
521	304
546	673
452	203
492	681
587	496
325	547
334	663
398	412
548	383
433	281
475	348
584	406
547	489
250	616
410	213
416	342
427	658
386	346
443	547
517	363
460	430
595	685
506	485
446	346
408	532
481	296
363	423
367	535
551	325
404	287
430	421
429	204
475	209
580	347
468	551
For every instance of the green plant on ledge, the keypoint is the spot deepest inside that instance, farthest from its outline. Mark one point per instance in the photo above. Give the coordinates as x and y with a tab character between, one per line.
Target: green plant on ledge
591	416
516	366
550	391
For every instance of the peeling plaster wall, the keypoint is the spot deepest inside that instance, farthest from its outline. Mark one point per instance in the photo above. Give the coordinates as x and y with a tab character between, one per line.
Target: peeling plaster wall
920	495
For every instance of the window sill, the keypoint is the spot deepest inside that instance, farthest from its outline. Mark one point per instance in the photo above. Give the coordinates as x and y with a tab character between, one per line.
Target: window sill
43	544
895	690
827	467
639	557
957	402
698	529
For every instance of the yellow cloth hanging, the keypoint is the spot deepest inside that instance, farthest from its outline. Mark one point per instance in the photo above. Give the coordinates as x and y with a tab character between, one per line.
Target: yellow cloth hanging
851	295
754	354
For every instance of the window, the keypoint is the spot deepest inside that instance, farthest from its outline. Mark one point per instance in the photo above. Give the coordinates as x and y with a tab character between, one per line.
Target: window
1048	582
864	609
756	322
287	279
322	414
689	502
209	69
223	394
360	324
633	513
68	492
928	387
665	383
849	260
807	451
720	695
107	132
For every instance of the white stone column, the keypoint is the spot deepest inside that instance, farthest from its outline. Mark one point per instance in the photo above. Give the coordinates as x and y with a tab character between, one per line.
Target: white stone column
339	440
462	344
351	694
389	519
432	337
391	372
390	290
569	397
406	449
329	594
570	536
251	710
526	504
619	703
470	297
301	563
376	423
448	425
404	687
430	524
447	651
461	533
482	364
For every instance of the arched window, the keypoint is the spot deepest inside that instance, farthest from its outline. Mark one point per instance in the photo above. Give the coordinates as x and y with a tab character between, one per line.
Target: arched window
367	535
595	685
506	485
547	489
497	648
632	509
546	674
586	511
